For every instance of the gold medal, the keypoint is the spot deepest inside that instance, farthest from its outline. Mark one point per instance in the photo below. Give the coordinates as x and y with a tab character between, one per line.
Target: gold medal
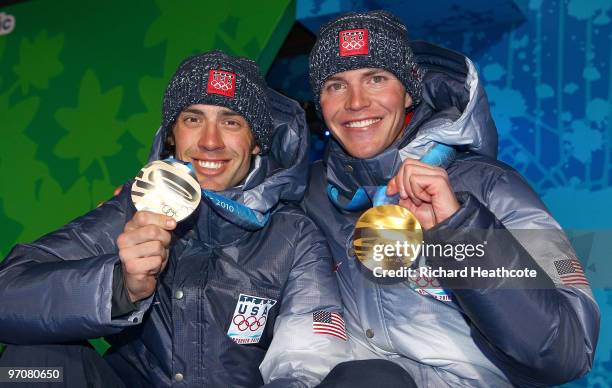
167	187
387	237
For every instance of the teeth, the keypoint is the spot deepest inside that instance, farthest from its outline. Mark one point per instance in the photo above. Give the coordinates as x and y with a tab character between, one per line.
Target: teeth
210	164
362	123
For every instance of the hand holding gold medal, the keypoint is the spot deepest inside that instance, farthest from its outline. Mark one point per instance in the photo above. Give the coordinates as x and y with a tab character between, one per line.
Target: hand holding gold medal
389	236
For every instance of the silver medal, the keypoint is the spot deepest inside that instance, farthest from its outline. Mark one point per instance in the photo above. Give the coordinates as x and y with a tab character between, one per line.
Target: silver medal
167	187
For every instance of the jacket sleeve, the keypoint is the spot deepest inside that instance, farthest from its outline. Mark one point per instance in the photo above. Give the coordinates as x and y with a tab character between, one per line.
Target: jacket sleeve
297	357
59	288
539	331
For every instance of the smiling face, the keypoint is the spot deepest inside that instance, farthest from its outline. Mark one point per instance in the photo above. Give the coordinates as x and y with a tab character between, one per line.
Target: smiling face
365	110
218	142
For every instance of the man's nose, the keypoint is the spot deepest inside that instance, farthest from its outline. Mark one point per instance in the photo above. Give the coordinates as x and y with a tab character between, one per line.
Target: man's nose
210	138
357	98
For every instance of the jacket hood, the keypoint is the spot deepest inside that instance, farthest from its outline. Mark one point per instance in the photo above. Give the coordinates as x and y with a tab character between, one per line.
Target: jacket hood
454	111
279	175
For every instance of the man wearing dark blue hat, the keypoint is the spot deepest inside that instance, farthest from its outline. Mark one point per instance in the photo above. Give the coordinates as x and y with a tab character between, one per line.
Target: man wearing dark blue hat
239	294
411	120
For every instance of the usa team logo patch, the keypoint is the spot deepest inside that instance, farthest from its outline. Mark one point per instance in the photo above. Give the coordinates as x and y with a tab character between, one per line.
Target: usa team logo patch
354	42
437	293
427	286
221	82
250	318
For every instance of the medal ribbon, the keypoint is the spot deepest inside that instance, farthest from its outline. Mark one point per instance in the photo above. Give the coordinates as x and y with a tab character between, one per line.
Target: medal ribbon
236	212
233	211
367	196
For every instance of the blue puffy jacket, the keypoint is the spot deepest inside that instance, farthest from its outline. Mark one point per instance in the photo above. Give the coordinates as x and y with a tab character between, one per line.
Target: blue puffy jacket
59	287
489	333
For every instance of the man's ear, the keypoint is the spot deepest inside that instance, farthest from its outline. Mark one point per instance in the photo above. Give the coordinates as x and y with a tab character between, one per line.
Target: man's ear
407	101
256	150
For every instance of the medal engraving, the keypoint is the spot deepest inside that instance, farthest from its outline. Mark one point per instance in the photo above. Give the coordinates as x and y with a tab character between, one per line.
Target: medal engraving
166	187
387	236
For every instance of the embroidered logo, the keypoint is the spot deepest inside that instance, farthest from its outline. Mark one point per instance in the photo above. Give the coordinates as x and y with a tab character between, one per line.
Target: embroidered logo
427	286
221	82
354	42
437	293
249	320
570	272
330	323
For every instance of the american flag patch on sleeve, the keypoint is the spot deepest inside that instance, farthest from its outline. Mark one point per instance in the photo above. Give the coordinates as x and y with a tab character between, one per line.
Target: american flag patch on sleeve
570	272
330	323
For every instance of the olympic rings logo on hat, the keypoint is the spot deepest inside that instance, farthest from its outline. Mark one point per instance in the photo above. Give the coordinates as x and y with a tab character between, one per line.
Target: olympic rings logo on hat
351	45
251	322
354	42
221	82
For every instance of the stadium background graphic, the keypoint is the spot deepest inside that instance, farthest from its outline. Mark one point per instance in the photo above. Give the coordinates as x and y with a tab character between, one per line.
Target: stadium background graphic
81	87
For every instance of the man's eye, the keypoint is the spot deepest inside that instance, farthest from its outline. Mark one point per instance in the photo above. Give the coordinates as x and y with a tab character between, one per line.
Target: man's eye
334	86
191	120
232	123
378	79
